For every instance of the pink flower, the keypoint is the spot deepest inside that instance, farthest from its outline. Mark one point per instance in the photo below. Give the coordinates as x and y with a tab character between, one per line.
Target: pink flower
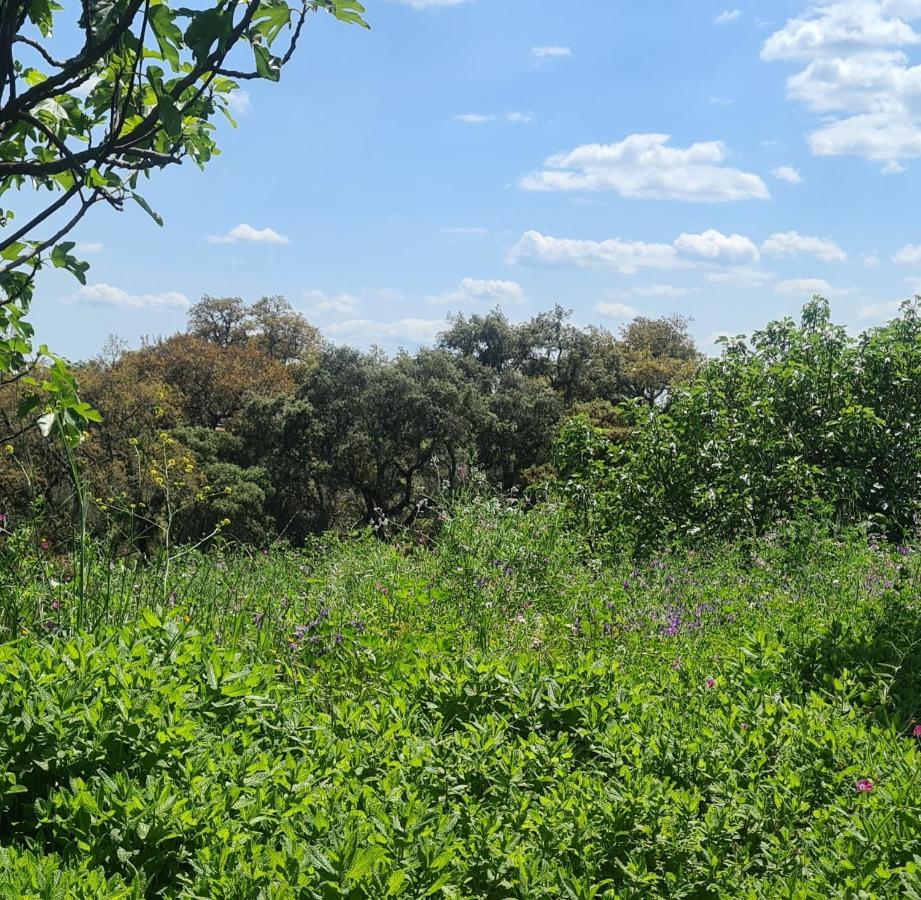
864	786
710	682
916	731
55	605
44	544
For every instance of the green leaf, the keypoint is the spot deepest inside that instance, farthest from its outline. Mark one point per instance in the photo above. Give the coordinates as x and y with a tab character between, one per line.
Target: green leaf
170	116
267	66
146	207
364	861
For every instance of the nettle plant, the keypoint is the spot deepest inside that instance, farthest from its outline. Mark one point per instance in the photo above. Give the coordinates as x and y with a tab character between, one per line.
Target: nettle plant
134	88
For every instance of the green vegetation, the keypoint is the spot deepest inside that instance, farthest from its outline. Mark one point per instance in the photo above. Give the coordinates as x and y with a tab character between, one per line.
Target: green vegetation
542	611
499	715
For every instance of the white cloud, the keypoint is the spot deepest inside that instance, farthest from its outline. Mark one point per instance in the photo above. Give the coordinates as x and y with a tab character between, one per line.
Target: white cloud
660	290
857	76
643	166
880	311
480	291
727	16
551	52
909	255
321	302
788	174
627	257
518	118
89	247
715	245
688	251
244	232
240	102
791	243
102	294
413	331
803	286
721	101
871	261
615	310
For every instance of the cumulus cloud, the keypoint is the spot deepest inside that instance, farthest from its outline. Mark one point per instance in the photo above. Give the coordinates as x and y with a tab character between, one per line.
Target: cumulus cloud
102	294
551	52
804	286
322	303
788	174
472	291
791	243
707	250
615	309
89	247
247	233
712	244
909	255
857	76
727	16
627	257
871	261
240	102
644	166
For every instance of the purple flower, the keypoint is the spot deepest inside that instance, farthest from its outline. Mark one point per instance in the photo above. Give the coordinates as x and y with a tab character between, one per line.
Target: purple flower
710	682
864	786
55	605
916	731
44	544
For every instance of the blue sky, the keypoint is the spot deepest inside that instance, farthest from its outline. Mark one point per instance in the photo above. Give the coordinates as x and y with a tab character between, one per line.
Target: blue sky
620	158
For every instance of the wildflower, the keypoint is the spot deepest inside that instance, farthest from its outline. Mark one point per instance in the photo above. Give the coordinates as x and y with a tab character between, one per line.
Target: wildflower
44	544
864	786
743	726
55	605
257	618
676	663
916	731
710	682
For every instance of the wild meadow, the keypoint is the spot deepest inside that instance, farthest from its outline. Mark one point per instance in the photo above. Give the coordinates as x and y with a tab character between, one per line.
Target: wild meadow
541	609
498	714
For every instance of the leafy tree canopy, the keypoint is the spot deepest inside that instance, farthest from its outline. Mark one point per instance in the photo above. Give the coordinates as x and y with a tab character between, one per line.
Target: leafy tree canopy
137	90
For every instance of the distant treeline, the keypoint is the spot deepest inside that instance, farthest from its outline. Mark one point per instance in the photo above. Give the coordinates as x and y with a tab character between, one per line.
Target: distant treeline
251	419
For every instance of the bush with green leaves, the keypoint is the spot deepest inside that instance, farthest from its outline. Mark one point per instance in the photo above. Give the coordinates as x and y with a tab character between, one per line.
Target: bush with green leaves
800	420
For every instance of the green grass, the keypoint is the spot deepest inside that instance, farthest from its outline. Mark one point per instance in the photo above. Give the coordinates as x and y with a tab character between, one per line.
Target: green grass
496	716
